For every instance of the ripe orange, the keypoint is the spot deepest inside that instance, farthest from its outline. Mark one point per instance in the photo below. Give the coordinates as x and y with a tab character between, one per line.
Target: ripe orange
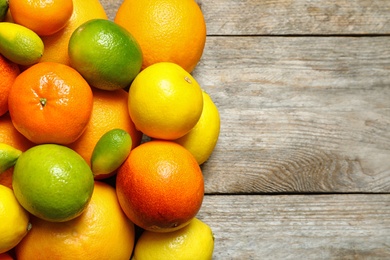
160	186
8	72
109	112
167	30
43	17
50	103
11	136
56	45
101	232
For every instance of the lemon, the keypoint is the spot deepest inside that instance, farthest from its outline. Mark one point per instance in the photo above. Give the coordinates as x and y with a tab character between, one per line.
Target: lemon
165	101
14	223
110	152
20	44
105	53
52	182
194	241
3	9
202	139
8	156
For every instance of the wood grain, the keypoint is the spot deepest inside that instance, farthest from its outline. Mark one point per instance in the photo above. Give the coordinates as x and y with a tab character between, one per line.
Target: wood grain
299	114
292	17
299	226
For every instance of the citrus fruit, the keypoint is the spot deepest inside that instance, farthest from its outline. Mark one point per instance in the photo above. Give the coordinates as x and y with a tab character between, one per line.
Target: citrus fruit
43	17
56	45
52	182
101	232
165	101
6	256
167	30
14	223
8	73
160	186
194	241
3	9
8	156
50	103
109	112
11	136
20	44
110	152
105	54
201	140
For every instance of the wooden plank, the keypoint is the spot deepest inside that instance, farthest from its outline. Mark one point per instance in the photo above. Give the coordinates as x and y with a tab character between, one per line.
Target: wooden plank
299	227
299	114
286	17
304	17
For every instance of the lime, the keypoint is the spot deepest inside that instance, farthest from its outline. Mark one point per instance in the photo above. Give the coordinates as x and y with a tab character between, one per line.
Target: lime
3	9
194	241
52	182
20	44
105	53
201	140
110	152
14	223
8	156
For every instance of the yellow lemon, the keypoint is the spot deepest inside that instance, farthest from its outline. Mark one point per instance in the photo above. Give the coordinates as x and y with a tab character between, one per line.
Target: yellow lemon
194	241
201	140
165	101
14	223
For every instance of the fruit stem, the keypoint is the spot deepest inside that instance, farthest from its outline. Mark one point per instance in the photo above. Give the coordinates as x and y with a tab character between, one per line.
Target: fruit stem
43	101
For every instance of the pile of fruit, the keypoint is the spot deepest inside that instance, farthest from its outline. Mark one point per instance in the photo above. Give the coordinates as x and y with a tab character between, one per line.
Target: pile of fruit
103	130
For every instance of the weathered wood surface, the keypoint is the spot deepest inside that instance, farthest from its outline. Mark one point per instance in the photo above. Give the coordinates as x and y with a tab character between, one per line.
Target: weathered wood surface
302	166
299	226
299	114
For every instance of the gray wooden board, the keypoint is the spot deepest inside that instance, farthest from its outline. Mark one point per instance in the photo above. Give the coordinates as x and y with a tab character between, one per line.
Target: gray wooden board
299	226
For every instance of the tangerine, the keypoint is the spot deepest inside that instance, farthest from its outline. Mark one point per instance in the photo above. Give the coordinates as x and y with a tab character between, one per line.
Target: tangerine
160	186
50	103
8	73
167	30
43	17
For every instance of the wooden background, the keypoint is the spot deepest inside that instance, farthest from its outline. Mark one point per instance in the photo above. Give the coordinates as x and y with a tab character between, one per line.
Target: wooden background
302	166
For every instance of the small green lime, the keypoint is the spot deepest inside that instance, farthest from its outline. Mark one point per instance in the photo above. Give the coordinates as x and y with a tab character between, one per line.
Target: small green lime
20	44
3	9
105	53
8	156
110	152
52	182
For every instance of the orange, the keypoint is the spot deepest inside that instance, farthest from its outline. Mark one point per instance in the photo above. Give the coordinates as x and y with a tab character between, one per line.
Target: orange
167	30
101	232
5	256
11	136
160	186
109	112
8	72
50	103
43	17
56	45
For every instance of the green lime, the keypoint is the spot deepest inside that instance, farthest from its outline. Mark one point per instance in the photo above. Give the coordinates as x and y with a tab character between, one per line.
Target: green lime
110	152
52	182
105	53
8	156
20	44
3	9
